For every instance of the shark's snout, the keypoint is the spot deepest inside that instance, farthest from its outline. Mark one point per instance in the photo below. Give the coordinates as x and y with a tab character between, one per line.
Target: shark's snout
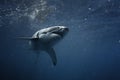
66	29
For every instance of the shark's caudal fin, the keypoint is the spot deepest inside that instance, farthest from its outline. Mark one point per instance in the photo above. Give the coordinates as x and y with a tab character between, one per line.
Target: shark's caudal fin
52	54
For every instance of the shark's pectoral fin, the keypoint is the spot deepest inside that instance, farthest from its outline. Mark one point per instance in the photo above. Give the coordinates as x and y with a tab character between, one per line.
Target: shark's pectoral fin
52	54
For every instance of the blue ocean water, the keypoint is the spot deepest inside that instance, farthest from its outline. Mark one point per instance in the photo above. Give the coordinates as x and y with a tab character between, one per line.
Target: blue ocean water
90	51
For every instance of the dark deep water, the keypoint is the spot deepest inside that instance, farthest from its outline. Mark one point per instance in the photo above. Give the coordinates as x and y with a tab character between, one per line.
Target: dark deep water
90	51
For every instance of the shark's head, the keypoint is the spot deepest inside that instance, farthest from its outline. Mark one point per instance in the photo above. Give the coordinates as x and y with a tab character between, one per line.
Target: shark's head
58	30
51	34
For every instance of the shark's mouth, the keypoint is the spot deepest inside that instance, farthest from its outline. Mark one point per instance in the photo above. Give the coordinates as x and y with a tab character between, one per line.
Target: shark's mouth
59	33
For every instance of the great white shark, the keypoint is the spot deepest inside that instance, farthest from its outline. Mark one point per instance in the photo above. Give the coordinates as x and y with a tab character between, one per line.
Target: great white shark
45	39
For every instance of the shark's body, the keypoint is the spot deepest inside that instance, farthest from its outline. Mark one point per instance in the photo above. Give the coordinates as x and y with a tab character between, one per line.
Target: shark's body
45	39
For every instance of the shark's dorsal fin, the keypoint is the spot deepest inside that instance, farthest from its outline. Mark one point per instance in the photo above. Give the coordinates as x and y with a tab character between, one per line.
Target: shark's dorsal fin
52	54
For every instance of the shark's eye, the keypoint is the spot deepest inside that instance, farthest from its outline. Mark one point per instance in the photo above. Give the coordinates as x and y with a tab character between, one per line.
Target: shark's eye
59	28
